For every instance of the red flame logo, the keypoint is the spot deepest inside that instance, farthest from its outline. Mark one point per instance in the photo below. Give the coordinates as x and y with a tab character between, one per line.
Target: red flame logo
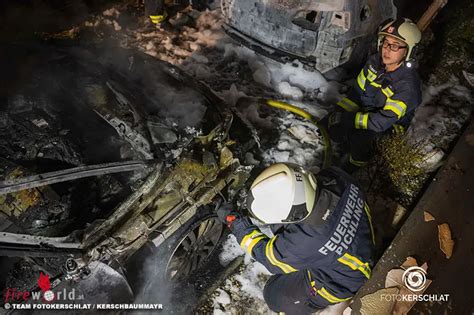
44	282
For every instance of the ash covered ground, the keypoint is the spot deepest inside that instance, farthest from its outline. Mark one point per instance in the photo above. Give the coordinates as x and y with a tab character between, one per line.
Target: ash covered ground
199	46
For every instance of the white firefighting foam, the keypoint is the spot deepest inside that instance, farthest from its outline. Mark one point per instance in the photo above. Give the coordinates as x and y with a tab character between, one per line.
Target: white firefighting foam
205	52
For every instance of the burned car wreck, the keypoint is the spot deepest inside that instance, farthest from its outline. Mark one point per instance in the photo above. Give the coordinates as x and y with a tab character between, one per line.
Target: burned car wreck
105	152
322	34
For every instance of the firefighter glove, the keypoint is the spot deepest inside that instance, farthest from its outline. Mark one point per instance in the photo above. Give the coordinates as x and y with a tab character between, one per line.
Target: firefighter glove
226	213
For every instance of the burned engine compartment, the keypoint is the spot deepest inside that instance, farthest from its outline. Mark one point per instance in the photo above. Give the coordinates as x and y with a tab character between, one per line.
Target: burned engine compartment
163	145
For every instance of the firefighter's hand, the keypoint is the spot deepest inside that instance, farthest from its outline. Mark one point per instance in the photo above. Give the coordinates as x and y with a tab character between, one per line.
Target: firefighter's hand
227	214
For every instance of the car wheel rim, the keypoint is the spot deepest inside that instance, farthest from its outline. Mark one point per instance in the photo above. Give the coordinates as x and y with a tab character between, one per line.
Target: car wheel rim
194	249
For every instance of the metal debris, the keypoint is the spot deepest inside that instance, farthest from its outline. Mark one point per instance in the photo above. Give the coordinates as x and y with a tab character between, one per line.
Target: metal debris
22	183
40	123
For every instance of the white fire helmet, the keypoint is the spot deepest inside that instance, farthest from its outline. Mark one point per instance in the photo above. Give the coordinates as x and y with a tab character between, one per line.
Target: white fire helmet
403	29
282	193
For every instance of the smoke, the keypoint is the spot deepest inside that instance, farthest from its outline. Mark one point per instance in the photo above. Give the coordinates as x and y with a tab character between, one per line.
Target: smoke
153	287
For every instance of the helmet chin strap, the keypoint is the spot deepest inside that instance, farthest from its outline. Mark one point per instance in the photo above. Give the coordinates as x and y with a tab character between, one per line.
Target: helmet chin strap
404	59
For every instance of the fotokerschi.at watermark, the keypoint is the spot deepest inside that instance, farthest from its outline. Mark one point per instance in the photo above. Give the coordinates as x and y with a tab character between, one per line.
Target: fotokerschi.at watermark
414	279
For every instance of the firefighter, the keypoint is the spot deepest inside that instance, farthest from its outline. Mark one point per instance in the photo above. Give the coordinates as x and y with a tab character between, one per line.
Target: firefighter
157	12
387	92
321	251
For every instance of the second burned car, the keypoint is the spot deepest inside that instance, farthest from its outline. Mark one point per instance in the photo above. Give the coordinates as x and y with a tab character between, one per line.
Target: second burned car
322	34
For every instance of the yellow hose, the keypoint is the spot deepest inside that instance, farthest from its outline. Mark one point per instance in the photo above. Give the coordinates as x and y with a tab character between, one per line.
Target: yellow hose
300	112
291	108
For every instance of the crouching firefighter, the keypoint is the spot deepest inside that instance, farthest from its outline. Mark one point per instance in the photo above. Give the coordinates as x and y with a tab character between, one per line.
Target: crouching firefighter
387	92
321	251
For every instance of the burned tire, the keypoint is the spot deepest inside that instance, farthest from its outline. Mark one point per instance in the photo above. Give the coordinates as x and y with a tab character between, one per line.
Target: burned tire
193	248
179	257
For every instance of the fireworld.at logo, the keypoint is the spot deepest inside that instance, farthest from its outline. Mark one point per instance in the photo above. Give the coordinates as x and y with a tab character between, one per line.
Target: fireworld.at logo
46	295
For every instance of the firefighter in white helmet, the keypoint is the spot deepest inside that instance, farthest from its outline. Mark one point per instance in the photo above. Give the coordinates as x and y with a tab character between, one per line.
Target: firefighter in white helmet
323	242
384	98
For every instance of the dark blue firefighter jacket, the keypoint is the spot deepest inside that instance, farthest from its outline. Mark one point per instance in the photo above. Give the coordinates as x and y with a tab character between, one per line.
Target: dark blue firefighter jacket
334	246
380	99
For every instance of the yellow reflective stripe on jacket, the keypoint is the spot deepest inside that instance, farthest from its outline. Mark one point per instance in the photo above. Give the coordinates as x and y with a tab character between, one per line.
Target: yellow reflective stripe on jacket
253	243
323	292
348	105
361	80
387	92
371	75
361	120
331	298
311	281
250	240
355	264
375	84
369	217
398	107
271	257
156	19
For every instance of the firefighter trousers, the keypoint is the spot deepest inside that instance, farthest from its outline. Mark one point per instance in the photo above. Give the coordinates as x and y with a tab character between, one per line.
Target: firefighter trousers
361	146
290	293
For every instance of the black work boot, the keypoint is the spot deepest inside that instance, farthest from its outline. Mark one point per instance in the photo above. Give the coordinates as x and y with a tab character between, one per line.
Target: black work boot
351	166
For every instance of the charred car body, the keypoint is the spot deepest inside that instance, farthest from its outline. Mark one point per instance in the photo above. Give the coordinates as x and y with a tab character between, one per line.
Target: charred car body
323	34
105	152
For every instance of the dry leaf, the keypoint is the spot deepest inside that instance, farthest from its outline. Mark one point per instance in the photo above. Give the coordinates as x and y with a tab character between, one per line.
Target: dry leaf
424	266
402	307
394	278
375	303
409	262
446	243
470	139
429	217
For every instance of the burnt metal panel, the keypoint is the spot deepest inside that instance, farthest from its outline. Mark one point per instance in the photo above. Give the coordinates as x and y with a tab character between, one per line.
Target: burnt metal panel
322	33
